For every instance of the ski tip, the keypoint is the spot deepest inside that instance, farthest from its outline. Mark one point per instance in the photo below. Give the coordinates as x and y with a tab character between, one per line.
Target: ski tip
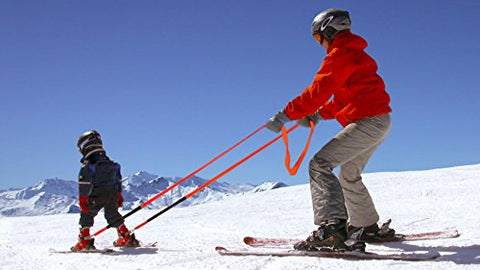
151	244
220	249
430	255
446	234
248	240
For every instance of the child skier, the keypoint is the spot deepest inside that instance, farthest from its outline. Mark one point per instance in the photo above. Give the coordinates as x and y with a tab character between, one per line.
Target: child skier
348	88
100	186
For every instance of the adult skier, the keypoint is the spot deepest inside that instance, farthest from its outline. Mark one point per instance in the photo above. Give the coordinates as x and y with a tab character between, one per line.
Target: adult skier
347	88
99	185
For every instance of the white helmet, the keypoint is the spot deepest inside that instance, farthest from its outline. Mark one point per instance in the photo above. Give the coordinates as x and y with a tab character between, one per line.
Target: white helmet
330	22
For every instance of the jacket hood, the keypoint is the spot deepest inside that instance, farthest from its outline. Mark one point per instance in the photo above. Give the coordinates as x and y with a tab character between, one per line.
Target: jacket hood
348	40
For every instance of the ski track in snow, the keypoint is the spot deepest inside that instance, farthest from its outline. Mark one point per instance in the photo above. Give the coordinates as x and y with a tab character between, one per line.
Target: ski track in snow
416	201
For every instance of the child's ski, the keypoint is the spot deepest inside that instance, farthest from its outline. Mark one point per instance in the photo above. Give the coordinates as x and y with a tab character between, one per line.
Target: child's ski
89	251
141	245
105	250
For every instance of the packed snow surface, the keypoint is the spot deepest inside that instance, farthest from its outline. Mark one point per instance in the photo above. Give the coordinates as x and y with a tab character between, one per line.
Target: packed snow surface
416	201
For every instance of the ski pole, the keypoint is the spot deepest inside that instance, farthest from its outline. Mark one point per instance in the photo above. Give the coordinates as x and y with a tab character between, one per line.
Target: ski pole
180	181
189	195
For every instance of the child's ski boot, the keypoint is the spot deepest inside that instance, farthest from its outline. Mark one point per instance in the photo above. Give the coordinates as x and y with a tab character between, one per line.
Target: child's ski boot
125	238
85	241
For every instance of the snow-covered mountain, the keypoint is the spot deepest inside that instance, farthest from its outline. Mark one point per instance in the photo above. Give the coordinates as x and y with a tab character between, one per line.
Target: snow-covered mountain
50	196
54	196
268	186
141	186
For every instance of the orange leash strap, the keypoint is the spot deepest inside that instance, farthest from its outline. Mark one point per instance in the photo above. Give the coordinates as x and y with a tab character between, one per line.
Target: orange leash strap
294	170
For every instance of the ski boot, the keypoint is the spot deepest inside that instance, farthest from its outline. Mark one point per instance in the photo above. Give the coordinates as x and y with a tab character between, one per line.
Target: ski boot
372	233
330	236
125	238
85	242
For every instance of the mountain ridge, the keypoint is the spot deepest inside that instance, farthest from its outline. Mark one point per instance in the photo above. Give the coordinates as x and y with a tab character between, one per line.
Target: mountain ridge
54	195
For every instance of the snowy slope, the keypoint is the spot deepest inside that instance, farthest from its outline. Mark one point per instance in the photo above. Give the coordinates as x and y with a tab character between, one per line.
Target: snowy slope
416	201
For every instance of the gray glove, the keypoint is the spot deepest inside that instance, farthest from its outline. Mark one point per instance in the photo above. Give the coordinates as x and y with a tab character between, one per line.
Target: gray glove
305	122
276	123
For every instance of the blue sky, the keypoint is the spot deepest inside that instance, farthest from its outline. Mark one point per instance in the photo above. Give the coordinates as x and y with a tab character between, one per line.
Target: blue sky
171	84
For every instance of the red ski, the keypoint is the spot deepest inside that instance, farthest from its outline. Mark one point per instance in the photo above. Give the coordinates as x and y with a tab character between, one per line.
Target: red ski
352	255
287	242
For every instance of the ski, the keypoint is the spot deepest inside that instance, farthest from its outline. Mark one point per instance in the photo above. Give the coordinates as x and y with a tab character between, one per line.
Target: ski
141	245
104	250
352	255
149	245
279	242
88	251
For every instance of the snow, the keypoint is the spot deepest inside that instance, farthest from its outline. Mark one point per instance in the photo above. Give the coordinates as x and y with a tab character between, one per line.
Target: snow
416	201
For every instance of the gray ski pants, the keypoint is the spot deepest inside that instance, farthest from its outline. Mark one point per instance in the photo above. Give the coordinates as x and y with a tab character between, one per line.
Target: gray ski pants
347	197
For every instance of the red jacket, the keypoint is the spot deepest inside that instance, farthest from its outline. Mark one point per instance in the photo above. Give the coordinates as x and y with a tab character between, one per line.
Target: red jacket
350	76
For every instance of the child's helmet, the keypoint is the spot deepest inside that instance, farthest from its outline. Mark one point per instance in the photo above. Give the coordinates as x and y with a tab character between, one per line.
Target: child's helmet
330	22
90	142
